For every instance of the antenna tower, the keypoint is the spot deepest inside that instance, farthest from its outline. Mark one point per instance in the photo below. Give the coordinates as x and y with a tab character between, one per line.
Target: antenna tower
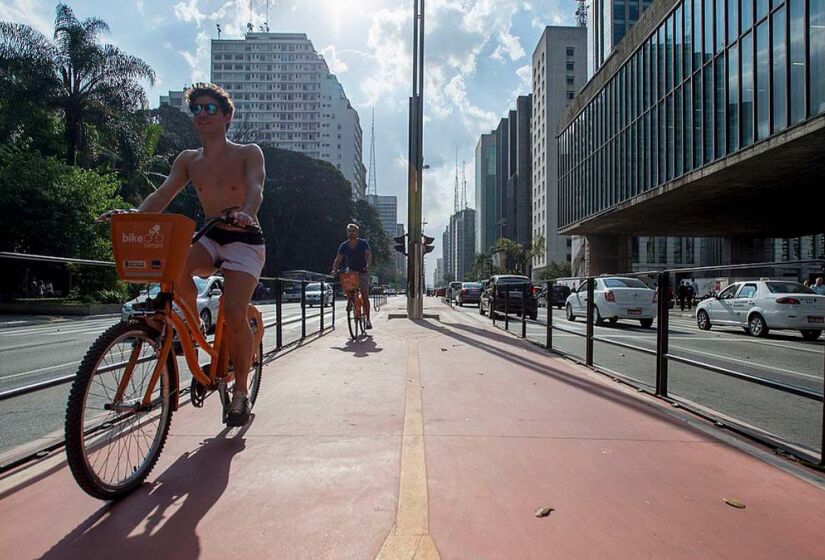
372	185
463	186
581	13
455	196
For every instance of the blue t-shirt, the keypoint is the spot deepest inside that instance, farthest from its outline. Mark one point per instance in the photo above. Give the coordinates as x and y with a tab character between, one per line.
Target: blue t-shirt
356	259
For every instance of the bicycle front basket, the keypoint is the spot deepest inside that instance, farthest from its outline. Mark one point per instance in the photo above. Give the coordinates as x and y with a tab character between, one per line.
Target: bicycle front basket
150	247
350	281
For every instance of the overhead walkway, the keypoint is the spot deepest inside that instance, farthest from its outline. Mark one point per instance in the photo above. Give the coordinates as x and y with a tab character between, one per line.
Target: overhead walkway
436	439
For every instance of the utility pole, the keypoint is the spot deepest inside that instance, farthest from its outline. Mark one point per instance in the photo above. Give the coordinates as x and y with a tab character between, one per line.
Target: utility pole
415	257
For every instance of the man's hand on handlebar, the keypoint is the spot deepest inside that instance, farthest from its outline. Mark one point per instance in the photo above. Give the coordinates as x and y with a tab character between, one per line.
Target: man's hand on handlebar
240	218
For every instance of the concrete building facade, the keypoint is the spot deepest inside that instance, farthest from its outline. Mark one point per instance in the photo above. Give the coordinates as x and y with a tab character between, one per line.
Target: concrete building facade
285	95
559	71
462	243
607	24
701	122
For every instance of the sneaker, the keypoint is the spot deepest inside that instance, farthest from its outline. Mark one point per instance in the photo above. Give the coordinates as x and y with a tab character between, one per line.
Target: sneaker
369	324
239	409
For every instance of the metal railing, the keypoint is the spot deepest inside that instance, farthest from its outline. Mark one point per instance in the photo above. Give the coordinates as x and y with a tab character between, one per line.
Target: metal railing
275	291
662	354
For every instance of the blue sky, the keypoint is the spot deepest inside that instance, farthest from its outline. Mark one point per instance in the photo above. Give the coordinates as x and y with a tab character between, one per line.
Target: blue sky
477	60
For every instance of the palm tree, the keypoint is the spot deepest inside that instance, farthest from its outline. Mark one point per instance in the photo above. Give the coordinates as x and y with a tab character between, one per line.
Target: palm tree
86	81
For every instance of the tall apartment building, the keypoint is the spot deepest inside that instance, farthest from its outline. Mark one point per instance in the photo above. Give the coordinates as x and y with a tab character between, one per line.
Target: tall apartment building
175	99
447	253
285	95
559	72
608	22
387	208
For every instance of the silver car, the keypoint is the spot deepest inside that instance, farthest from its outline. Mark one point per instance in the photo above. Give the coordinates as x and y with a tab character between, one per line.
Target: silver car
313	294
209	296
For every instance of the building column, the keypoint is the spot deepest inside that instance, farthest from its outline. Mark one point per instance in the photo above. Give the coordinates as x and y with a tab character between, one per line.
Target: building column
608	254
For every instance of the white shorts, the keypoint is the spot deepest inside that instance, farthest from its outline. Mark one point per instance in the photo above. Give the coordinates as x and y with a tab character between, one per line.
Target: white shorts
242	257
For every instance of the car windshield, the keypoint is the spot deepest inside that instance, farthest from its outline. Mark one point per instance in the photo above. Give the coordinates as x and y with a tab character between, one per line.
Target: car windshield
512	280
154	290
788	288
471	285
314	287
624	283
200	283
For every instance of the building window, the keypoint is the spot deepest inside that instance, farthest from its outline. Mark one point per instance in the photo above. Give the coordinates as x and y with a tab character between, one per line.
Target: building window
571	66
571	94
571	80
571	51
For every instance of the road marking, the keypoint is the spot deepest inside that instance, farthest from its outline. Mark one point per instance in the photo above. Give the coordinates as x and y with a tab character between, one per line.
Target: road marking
25	373
746	362
409	538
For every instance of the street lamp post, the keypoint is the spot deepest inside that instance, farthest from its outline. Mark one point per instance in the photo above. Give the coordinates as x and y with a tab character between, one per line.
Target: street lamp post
415	257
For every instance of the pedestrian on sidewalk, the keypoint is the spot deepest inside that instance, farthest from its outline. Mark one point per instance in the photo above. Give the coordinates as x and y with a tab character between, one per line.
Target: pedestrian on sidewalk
819	287
682	293
694	292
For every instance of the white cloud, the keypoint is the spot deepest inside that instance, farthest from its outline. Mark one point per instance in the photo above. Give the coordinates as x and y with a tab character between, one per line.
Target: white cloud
510	46
29	12
336	65
188	11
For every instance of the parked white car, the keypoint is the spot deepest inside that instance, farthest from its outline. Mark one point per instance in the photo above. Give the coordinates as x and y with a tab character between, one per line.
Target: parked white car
761	305
209	296
615	298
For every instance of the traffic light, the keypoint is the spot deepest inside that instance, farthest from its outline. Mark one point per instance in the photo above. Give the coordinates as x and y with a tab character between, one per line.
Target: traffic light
427	241
400	244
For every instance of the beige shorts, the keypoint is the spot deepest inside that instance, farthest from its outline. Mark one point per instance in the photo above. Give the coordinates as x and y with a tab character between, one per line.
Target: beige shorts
242	257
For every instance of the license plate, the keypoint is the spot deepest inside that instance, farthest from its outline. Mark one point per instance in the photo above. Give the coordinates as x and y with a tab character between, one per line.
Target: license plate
816	319
634	311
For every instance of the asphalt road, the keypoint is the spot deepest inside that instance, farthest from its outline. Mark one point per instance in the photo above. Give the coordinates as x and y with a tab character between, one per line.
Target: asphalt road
33	350
784	356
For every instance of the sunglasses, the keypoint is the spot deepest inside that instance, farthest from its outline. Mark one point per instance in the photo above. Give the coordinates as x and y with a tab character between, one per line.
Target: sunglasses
210	108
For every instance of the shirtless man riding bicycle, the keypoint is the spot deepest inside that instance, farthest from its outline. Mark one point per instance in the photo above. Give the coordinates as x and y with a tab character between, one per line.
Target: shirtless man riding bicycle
225	175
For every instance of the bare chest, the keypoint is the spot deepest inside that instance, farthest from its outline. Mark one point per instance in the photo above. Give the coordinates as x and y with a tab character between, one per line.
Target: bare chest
217	180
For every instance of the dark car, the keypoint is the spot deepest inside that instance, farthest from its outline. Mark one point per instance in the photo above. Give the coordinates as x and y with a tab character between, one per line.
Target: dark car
515	292
469	292
558	296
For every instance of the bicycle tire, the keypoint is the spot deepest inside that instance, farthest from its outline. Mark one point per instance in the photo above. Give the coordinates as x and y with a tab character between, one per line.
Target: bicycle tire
254	381
351	323
117	426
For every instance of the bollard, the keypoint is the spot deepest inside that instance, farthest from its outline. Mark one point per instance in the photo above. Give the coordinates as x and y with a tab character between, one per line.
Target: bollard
548	341
279	296
303	309
323	299
506	309
588	360
662	335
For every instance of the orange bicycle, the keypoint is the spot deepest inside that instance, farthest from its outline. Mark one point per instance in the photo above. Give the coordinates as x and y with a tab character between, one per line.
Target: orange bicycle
127	386
356	317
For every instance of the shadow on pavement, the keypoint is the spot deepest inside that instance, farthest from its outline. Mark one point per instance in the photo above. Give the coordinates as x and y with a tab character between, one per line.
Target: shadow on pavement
162	516
594	388
360	348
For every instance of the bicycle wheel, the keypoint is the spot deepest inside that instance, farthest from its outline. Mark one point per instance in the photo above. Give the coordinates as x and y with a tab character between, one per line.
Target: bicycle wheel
352	321
112	446
254	381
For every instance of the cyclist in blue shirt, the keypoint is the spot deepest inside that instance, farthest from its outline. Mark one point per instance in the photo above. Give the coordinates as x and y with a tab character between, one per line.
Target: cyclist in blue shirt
356	252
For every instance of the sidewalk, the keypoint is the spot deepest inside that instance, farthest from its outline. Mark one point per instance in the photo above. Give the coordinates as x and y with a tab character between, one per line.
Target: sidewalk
436	439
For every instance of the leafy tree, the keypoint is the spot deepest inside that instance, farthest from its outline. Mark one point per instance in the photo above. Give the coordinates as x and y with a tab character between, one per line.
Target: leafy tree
88	82
555	270
482	268
307	205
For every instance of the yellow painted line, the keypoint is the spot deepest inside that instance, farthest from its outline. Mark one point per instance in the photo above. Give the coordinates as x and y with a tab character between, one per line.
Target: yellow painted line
409	538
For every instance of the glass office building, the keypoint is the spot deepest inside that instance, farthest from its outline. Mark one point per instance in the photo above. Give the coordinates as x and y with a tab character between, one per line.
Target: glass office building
713	78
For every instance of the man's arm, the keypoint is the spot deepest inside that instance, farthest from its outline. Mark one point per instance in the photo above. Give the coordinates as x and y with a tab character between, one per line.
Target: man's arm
178	177
368	257
338	258
254	175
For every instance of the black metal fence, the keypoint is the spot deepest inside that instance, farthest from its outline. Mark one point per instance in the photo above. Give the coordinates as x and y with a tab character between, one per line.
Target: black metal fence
780	403
292	311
